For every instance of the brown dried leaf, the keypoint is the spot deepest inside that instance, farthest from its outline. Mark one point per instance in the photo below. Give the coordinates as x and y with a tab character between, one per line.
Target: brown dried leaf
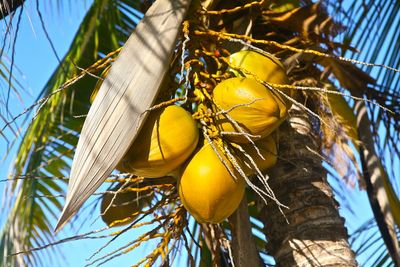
310	21
349	75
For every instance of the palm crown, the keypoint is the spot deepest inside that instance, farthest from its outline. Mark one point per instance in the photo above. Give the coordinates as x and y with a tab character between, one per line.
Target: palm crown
325	90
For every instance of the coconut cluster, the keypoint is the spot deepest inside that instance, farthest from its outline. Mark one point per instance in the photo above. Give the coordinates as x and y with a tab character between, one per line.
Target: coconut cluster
248	109
248	104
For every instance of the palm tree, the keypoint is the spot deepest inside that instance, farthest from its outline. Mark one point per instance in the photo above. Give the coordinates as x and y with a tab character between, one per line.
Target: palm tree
315	234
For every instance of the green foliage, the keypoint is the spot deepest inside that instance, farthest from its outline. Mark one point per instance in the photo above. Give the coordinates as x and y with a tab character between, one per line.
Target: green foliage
48	144
374	27
46	151
379	44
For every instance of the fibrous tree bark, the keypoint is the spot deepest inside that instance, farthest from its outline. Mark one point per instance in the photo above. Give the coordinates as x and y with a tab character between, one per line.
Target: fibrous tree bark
314	233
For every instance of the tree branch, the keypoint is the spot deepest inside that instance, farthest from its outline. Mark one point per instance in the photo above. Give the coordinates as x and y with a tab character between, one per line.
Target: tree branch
244	248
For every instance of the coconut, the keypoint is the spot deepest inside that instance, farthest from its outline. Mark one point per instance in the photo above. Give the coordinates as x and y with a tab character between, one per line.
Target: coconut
255	108
206	188
167	139
267	149
265	67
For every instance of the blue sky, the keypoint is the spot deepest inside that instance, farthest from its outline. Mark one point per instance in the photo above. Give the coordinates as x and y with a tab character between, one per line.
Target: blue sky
36	63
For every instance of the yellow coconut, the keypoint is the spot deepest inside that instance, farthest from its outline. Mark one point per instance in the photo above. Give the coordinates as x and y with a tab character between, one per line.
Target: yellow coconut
267	148
167	139
251	105
206	188
124	206
266	67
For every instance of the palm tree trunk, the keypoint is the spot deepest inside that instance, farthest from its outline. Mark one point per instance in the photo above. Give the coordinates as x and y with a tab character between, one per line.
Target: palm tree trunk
315	234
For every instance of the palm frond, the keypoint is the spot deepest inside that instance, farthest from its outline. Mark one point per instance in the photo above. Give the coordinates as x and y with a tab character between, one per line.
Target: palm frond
367	245
369	25
48	144
119	111
12	86
373	22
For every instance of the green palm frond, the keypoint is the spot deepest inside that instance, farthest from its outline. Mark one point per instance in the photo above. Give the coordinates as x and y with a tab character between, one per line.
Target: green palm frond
367	245
373	22
374	27
11	86
48	145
